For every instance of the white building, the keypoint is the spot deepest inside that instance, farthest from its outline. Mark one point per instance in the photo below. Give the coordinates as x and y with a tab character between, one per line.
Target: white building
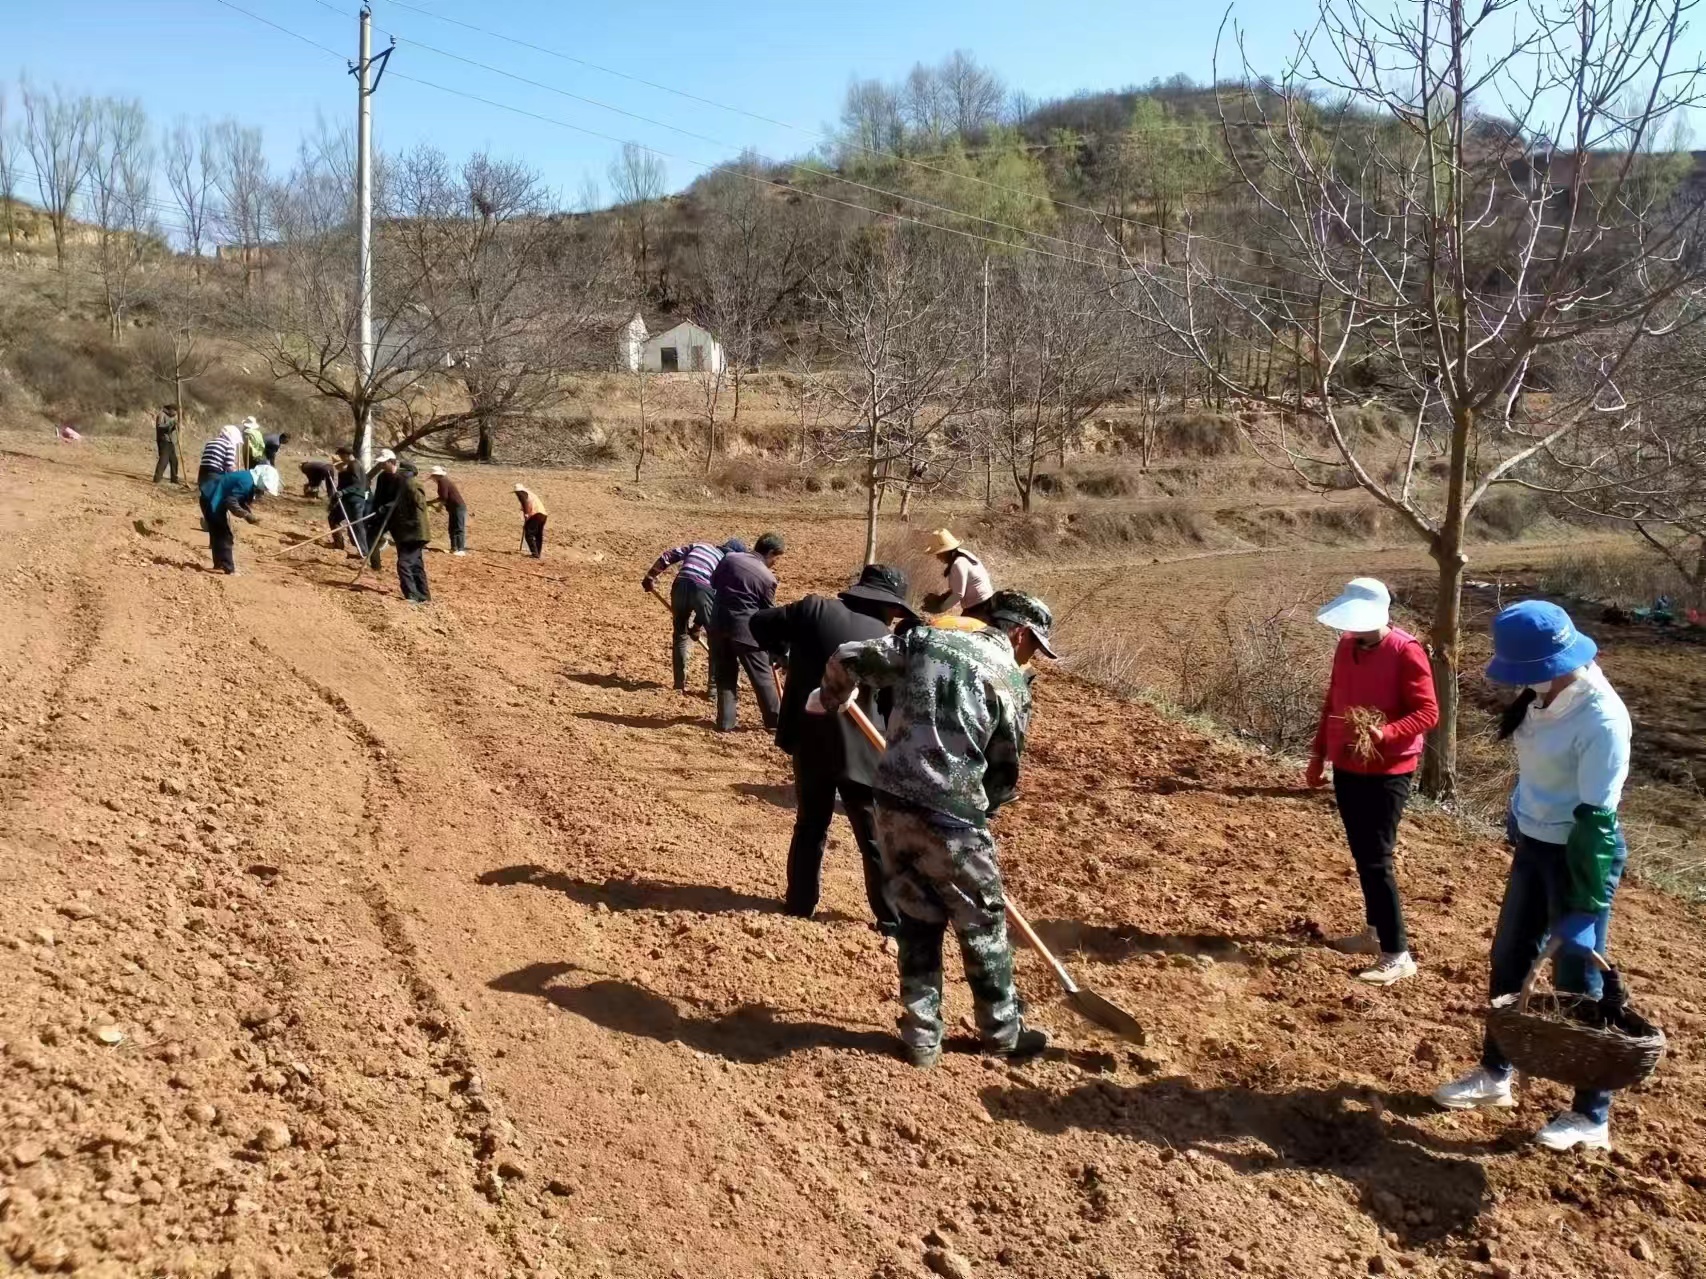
686	348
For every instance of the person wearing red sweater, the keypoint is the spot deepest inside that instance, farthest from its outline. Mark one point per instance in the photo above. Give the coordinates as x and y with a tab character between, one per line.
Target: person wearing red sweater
1383	674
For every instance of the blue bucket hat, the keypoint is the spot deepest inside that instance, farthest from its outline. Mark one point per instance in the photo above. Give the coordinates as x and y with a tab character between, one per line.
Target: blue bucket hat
1534	642
734	546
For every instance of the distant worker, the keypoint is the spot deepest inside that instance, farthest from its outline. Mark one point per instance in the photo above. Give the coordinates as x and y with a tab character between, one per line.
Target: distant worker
254	443
1380	705
220	455
962	707
408	528
969	585
166	442
384	480
831	757
318	473
455	509
533	516
272	444
348	507
690	596
742	584
227	492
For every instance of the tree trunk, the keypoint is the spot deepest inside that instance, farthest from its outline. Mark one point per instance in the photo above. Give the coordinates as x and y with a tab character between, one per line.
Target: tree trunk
735	416
871	492
483	450
1439	761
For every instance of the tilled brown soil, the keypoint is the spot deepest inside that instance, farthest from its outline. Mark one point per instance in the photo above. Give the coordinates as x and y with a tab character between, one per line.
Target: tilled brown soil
345	937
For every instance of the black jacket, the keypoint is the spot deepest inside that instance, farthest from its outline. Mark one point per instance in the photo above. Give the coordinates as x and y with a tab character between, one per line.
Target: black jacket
809	631
743	584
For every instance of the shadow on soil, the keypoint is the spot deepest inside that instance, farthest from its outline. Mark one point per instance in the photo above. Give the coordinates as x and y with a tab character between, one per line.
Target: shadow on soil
1411	1182
770	793
1111	945
645	721
632	894
750	1034
619	682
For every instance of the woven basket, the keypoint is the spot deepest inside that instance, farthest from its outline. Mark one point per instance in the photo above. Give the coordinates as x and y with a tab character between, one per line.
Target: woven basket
1543	1034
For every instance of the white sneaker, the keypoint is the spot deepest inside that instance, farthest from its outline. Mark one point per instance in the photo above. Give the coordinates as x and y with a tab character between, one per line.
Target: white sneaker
1363	943
1570	1130
459	552
1390	969
1477	1090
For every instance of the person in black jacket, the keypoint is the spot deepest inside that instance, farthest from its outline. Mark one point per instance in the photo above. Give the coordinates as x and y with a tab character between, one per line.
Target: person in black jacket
348	507
743	583
408	527
830	755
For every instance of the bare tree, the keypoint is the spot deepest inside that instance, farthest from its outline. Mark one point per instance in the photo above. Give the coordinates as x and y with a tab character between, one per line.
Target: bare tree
1055	358
754	255
975	94
1454	257
506	290
120	191
896	313
175	350
8	178
56	135
637	180
244	186
191	161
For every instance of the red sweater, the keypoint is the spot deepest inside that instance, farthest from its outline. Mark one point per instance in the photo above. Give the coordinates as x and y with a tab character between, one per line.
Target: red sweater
1393	677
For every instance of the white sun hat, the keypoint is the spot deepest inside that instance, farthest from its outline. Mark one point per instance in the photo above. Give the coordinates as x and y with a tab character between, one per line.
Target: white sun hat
268	479
386	455
438	470
1364	605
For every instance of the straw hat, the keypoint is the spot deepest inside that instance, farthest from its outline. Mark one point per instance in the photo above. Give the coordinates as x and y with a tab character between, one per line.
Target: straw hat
942	541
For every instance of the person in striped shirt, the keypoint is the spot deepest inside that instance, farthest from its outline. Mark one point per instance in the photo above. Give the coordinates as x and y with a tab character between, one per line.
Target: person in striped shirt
220	455
690	594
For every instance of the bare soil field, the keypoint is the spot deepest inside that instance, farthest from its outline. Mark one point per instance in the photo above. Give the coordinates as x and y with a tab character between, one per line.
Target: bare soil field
344	937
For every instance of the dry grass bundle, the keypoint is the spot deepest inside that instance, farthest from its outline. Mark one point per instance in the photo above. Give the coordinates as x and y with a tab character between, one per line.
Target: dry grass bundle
1365	724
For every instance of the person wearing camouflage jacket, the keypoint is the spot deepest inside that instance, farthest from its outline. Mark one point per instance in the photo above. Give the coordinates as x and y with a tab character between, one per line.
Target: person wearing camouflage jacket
962	706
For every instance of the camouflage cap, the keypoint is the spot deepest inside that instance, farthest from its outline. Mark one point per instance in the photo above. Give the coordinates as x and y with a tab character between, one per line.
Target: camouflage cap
1015	608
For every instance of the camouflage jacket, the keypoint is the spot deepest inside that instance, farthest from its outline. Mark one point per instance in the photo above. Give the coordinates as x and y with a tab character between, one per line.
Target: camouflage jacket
961	710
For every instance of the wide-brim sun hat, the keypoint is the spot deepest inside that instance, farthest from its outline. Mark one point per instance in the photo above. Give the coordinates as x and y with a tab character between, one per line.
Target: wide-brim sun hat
878	584
521	488
267	479
1534	642
1364	605
438	470
386	455
942	541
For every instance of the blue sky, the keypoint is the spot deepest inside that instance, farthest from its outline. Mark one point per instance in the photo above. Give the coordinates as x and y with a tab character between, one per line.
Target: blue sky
786	59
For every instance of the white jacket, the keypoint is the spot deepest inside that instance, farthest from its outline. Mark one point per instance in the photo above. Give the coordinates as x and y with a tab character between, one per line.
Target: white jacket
1575	751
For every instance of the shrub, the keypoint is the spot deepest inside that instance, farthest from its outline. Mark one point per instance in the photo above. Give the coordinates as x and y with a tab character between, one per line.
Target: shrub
1258	673
1505	513
1626	578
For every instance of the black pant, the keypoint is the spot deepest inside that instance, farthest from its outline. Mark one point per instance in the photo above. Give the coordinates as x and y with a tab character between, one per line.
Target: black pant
411	571
533	533
165	458
815	789
347	507
205	473
690	604
1370	805
458	527
220	539
728	659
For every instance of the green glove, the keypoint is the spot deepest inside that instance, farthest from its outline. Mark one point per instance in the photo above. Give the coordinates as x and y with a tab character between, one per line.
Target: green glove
1589	855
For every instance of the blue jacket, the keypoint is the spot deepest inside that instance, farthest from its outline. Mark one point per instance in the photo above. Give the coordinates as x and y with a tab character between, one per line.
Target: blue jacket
234	488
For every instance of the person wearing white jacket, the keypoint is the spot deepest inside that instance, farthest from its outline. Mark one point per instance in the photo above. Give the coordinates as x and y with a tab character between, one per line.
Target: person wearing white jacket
1571	733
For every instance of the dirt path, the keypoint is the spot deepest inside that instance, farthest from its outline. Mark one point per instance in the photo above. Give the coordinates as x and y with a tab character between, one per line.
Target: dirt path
446	941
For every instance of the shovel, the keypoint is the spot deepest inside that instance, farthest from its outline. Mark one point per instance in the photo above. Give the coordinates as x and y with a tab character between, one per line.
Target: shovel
1091	1006
697	639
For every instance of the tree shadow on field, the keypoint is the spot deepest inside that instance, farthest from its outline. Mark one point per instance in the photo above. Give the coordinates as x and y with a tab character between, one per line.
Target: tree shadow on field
750	1034
771	793
644	721
619	682
633	894
1418	1185
1113	944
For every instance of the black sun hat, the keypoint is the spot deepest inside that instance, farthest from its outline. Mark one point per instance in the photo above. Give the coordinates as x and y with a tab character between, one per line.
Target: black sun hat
878	584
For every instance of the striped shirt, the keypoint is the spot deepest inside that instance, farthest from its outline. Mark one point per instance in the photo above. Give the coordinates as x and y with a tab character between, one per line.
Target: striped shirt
220	453
698	561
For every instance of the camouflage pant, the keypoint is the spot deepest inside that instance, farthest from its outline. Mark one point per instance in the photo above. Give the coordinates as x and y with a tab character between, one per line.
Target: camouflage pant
939	873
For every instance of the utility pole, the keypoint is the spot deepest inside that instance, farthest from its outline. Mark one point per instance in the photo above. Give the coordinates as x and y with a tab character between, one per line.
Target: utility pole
366	84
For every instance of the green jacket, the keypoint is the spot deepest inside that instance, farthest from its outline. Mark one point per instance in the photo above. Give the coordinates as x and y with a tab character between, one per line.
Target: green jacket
409	522
961	711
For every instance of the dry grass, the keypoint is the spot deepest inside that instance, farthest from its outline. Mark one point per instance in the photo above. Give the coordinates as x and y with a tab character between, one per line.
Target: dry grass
1627	578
